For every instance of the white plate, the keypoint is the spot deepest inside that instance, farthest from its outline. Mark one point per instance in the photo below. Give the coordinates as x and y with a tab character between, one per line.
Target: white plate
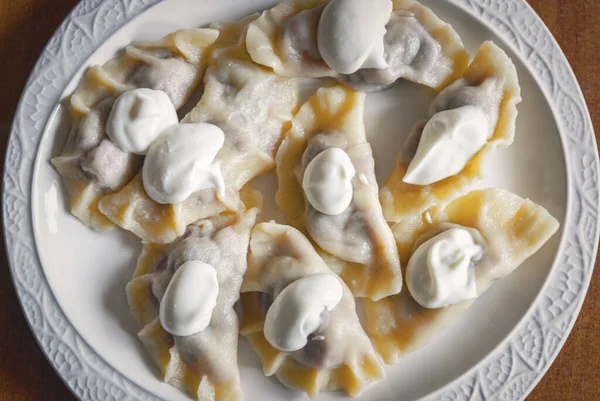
71	280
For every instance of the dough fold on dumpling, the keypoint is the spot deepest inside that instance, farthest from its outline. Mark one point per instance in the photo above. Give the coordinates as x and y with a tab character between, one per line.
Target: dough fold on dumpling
284	38
203	364
418	46
251	105
90	164
491	83
340	356
512	229
358	243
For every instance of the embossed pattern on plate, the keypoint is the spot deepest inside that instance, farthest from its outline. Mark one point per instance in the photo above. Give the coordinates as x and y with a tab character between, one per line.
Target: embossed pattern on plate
509	373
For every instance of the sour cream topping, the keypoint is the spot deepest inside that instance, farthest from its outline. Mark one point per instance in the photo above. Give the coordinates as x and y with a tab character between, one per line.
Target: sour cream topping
301	309
449	140
187	306
182	161
350	34
441	272
138	117
327	181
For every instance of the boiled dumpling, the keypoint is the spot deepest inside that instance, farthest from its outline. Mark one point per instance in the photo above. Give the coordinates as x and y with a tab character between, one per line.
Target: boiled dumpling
339	355
491	85
508	229
284	38
251	105
202	363
418	46
90	164
356	243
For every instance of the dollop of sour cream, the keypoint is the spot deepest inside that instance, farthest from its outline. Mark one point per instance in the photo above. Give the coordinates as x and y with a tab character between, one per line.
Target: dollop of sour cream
302	308
350	34
440	272
449	140
182	161
327	181
187	305
138	117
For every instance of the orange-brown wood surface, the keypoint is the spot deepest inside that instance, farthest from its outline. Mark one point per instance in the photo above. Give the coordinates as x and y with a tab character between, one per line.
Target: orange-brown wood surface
25	27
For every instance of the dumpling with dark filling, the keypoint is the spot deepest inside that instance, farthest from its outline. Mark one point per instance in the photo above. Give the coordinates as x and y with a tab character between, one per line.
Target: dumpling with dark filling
490	85
251	105
205	363
355	241
506	227
90	164
418	46
339	355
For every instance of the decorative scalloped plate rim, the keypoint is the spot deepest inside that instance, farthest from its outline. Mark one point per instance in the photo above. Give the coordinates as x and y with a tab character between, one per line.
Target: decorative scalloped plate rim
92	378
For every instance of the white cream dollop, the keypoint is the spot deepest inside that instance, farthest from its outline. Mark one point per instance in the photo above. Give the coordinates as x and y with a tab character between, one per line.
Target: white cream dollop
138	117
302	308
182	161
327	181
187	305
350	34
449	140
440	272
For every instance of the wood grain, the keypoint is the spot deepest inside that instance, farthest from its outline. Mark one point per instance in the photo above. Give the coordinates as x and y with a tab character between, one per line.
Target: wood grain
25	27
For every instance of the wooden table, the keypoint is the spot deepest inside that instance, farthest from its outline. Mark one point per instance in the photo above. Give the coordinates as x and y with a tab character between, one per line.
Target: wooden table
26	25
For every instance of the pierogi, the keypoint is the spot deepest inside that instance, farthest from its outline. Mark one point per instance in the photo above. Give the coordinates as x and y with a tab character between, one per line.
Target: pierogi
357	243
490	84
418	46
508	228
251	105
339	356
90	164
204	363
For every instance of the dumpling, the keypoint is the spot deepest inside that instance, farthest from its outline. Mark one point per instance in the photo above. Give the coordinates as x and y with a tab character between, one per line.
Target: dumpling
355	241
508	230
175	65
202	363
338	355
491	85
418	46
90	164
285	39
252	106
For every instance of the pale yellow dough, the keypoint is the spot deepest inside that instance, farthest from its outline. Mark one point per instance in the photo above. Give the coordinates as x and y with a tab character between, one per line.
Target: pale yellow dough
334	117
401	200
204	364
278	256
266	47
287	42
512	229
174	64
252	105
